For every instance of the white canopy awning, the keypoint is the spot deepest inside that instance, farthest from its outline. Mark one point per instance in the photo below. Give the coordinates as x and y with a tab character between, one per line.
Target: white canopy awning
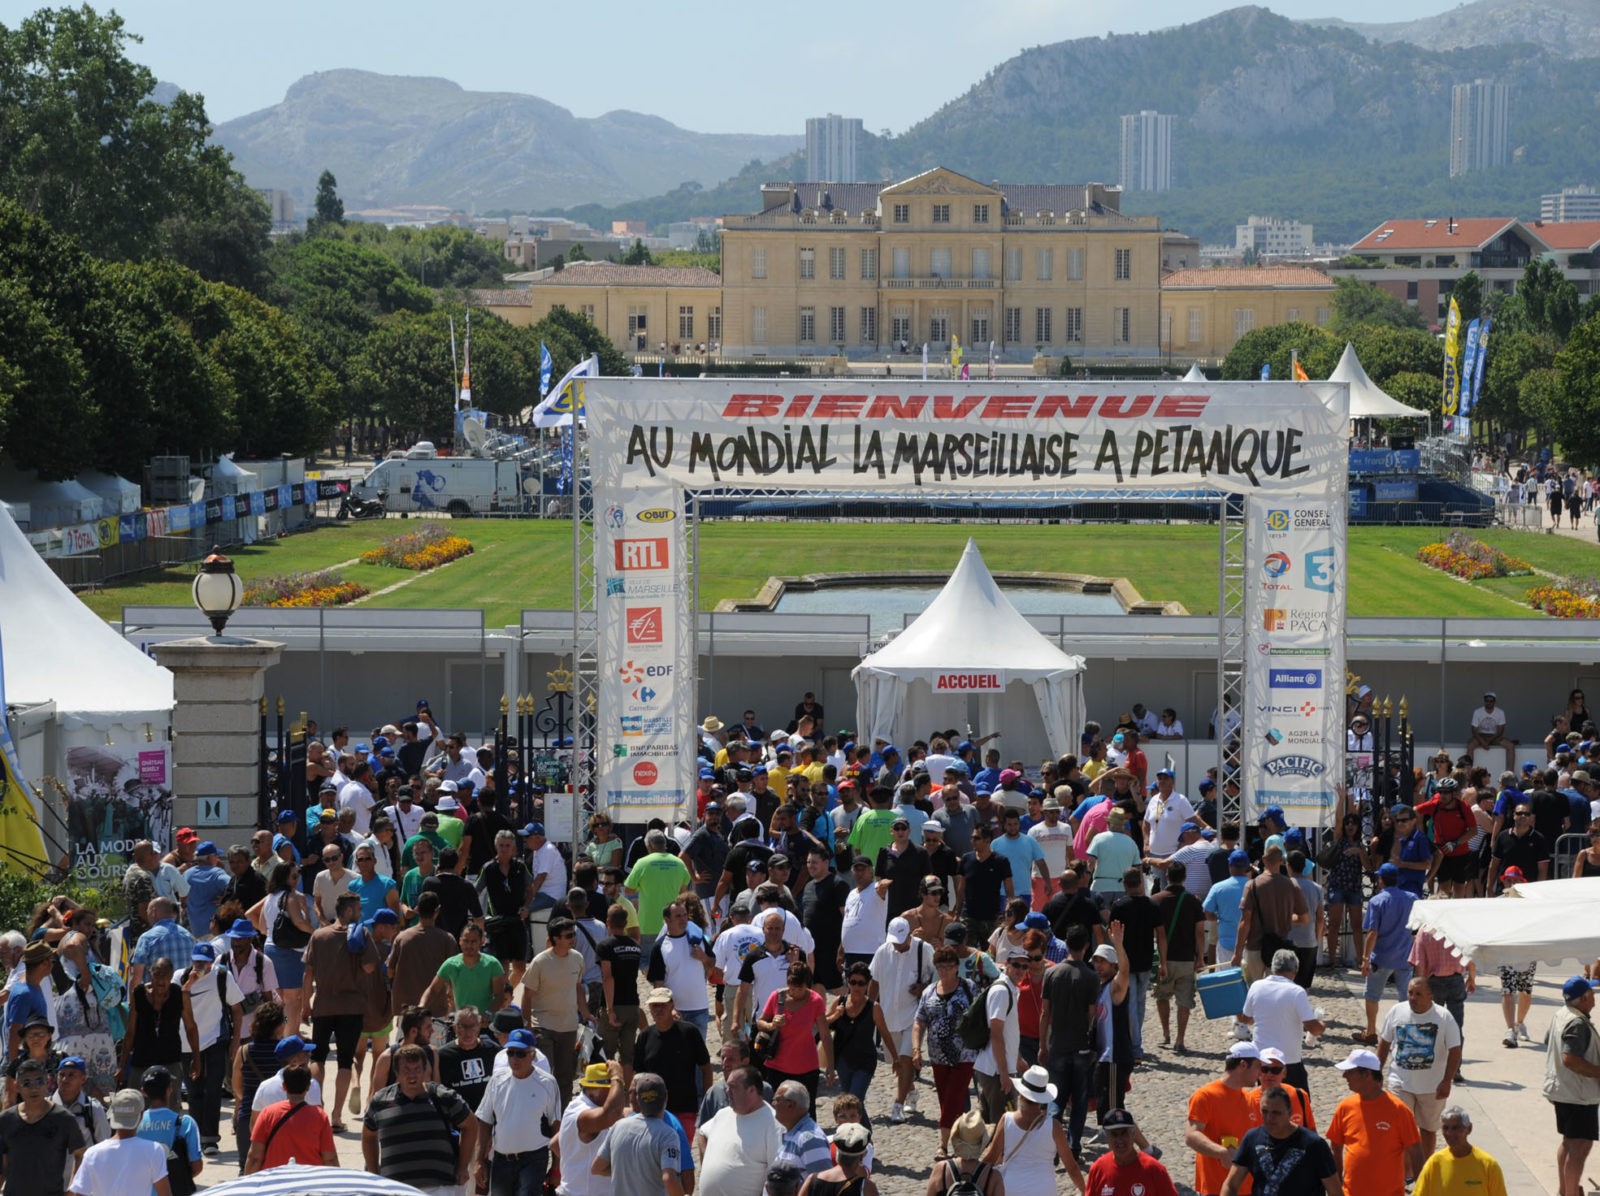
1517	931
971	643
1195	374
1367	401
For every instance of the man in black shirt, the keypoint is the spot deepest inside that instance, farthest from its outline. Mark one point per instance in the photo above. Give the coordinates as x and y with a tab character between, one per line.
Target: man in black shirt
618	955
1521	847
1181	929
747	844
942	862
466	1064
458	900
673	1049
477	839
412	751
1552	813
37	1137
1138	915
822	913
903	864
1067	1033
1074	907
984	885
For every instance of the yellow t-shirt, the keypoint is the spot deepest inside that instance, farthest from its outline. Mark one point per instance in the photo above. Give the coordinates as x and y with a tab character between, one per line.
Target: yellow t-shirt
1444	1175
778	781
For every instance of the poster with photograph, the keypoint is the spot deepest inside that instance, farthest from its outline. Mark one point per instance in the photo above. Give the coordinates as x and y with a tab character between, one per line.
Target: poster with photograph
117	794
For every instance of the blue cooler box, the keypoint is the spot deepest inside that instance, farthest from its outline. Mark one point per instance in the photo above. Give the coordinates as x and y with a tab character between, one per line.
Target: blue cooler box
1222	992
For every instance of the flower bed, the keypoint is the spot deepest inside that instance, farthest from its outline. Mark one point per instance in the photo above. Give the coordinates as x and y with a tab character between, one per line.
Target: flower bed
430	546
1471	559
322	588
1568	598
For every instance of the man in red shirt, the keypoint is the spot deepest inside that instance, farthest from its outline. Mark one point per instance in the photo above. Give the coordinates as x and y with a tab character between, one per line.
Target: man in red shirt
1125	1170
1135	761
1454	825
291	1131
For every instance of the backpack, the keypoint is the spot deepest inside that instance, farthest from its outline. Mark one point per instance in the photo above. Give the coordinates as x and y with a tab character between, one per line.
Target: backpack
965	1185
973	1028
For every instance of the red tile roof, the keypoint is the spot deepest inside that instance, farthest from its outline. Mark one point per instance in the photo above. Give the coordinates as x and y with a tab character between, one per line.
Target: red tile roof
1572	236
1400	236
606	274
1247	277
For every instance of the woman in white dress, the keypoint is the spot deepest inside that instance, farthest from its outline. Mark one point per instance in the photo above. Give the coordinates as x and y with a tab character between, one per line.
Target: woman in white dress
1027	1142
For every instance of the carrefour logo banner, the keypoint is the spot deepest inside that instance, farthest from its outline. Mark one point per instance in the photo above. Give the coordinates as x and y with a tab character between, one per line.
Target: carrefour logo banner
1292	733
1248	438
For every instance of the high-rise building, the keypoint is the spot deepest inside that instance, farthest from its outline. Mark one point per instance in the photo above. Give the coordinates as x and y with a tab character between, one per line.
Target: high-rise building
1479	128
1572	203
1271	237
831	143
1146	152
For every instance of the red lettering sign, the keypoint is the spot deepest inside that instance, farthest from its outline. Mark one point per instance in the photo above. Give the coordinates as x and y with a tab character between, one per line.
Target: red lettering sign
971	682
644	624
640	554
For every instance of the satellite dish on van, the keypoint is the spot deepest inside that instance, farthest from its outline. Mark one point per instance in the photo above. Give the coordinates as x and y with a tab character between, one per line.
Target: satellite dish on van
530	486
475	434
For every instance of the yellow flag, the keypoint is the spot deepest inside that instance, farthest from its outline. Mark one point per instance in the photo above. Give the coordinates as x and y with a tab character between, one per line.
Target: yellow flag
21	843
955	352
1452	359
1300	374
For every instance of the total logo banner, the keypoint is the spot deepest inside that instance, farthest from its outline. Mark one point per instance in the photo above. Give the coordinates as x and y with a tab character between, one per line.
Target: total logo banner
1292	729
646	682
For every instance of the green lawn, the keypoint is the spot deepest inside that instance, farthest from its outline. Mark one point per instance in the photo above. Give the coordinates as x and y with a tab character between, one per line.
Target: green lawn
528	563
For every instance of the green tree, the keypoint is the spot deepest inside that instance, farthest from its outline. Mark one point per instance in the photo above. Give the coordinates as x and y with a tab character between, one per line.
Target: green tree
1576	418
577	253
1356	303
329	207
1422	391
1548	300
1542	398
1385	350
1513	355
1468	294
571	336
1319	352
443	257
226	241
636	254
85	146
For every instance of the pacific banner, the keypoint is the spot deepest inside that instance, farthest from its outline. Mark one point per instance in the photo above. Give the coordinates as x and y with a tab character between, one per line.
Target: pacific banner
652	441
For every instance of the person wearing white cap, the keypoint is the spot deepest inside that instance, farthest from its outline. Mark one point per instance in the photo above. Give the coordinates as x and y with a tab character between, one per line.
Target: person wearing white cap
901	968
1374	1136
123	1163
1219	1116
1272	1076
1027	1141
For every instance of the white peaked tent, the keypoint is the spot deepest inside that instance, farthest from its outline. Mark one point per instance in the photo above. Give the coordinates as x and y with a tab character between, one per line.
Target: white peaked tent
972	644
1367	401
121	496
1195	374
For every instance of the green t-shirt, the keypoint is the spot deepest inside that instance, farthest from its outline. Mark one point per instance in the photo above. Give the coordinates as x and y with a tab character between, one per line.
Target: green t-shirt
472	986
408	857
411	889
452	829
658	879
872	832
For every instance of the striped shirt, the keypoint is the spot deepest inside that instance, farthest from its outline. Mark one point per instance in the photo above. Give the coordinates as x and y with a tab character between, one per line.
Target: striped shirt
416	1145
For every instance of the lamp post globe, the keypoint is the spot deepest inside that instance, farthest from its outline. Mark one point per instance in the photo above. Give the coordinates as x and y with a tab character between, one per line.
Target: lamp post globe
217	590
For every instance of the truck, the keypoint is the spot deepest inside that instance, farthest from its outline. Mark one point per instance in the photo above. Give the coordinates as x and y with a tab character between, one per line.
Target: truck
419	480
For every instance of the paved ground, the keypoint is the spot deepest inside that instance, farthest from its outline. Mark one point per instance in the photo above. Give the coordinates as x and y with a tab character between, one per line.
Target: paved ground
1501	1089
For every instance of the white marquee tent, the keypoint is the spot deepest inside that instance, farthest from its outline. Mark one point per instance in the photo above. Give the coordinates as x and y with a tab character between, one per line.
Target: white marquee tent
121	496
972	645
1367	401
1545	921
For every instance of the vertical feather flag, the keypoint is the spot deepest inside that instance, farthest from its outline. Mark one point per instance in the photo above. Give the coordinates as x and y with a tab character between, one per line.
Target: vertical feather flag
21	842
1452	355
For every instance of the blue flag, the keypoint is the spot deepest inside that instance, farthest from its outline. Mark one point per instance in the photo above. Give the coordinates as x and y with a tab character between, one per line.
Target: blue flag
1476	380
545	368
1266	371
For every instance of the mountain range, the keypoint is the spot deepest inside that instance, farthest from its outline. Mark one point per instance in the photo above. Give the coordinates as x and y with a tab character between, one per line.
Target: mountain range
1335	124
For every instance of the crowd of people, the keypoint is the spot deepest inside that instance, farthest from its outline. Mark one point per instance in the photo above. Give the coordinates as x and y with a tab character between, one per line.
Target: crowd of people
690	1006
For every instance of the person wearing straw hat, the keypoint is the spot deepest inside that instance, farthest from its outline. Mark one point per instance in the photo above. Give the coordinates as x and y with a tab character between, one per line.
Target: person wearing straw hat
968	1137
586	1123
1027	1141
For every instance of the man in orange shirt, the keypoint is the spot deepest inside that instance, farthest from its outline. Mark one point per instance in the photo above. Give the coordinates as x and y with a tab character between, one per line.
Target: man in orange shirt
1219	1115
1373	1134
1272	1069
291	1131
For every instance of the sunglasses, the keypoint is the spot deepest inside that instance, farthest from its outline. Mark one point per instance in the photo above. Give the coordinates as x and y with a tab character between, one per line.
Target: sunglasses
1035	959
1016	963
858	984
518	1053
35	1082
1272	1069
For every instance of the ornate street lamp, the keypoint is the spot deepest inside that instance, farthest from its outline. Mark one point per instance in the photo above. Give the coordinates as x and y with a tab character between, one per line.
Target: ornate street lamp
217	590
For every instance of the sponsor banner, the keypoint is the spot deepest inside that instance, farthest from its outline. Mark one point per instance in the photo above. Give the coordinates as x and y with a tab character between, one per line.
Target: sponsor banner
83	538
1293	721
130	527
1385	460
178	519
155	523
166	521
286	497
257	502
972	683
885	434
645	759
1394	491
117	794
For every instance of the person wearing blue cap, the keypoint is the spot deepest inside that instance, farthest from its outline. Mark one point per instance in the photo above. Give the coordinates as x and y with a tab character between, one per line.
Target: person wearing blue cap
73	1095
1572	1081
1386	951
217	1006
1222	903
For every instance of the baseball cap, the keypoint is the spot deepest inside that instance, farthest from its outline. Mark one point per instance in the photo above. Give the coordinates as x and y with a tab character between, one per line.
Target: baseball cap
956	933
327	816
861	861
186	834
1208	833
659	996
1388	872
1244	1050
125	1109
1187	827
707	774
899	930
287	816
156	1079
1106	952
1272	1055
288	1047
1117	738
852	1137
1007	775
1530	766
534	828
1036	921
73	1061
1489	694
1360	1058
1238	859
900	822
1118	1119
1165	772
209	847
328	787
1274	812
931	827
710	805
1207	785
520	1039
204	953
1574	989
386	917
1511	876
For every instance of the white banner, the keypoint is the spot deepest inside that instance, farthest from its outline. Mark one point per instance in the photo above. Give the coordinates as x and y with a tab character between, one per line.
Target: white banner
1235	437
646	634
1293	731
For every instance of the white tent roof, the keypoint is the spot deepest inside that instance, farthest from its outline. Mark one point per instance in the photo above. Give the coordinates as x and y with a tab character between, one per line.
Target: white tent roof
1195	374
56	648
1557	924
971	642
49	504
121	495
1367	401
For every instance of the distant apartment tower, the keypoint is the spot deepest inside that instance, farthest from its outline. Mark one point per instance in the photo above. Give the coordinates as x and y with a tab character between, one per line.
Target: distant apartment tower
831	143
1146	152
1479	132
280	206
1572	203
1271	237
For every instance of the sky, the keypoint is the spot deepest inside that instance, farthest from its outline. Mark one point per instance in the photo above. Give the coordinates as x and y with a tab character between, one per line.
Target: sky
710	67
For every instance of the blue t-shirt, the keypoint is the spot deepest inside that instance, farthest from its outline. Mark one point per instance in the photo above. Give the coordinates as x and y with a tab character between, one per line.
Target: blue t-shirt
162	1126
24	1002
1415	848
206	886
1021	853
374	894
683	1139
1223	900
1387	913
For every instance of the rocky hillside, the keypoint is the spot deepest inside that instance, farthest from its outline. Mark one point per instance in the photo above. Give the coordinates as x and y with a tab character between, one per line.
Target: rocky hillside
1566	28
391	139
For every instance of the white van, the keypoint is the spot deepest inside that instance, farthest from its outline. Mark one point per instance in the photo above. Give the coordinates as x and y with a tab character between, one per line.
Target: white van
455	485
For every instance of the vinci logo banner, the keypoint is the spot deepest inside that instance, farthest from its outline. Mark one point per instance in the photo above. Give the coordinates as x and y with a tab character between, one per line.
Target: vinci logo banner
1292	745
646	712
